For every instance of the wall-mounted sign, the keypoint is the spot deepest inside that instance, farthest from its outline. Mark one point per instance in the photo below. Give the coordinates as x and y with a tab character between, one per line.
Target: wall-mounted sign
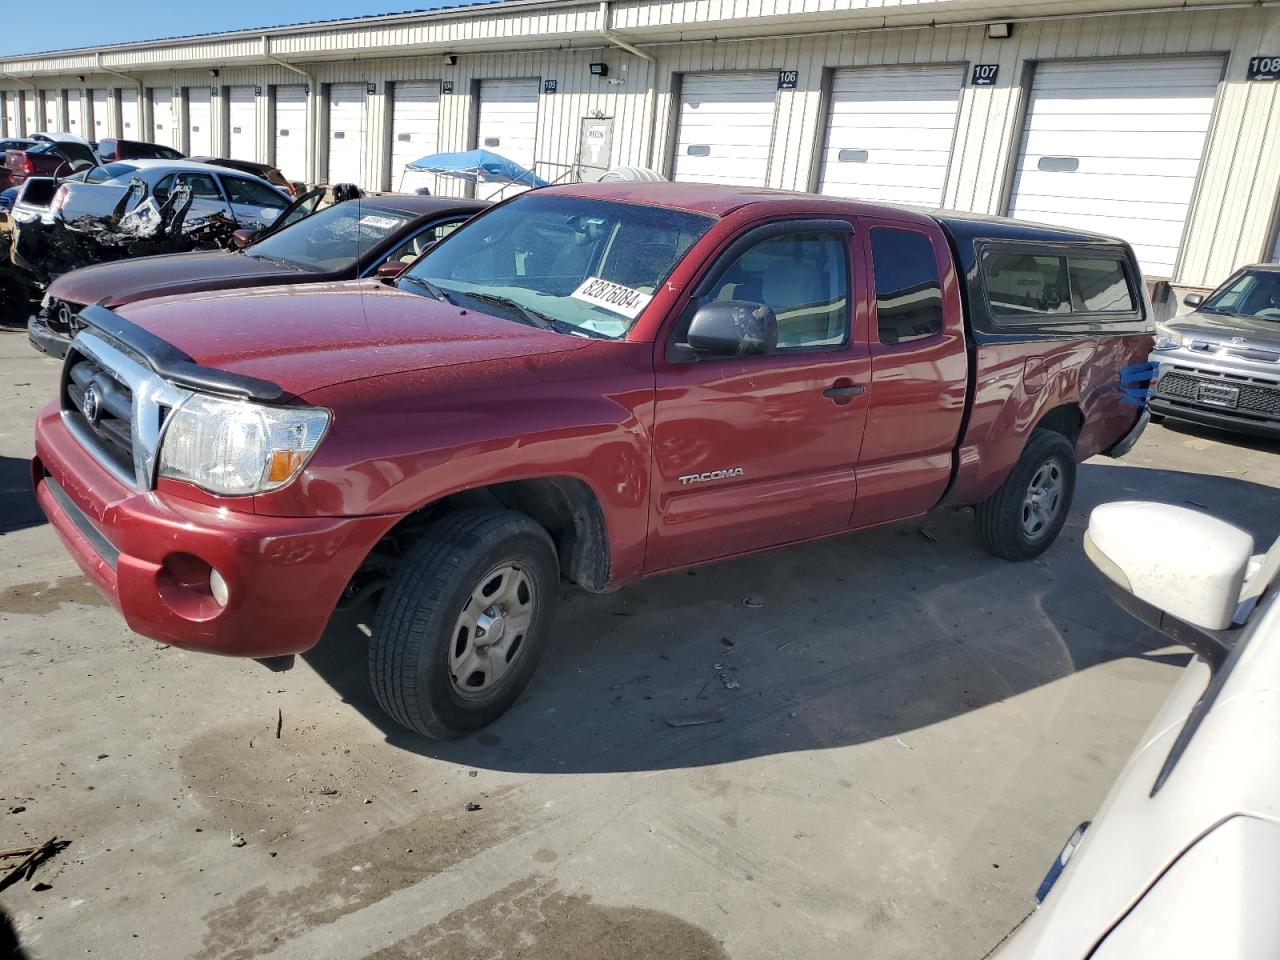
787	79
446	86
370	88
984	74
214	91
548	86
306	88
1264	68
257	91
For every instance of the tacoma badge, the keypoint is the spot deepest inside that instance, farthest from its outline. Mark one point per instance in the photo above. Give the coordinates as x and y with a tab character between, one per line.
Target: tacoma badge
712	475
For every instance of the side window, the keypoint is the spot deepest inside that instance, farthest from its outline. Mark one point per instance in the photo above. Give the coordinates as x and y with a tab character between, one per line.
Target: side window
413	248
201	184
1022	284
803	278
1099	285
908	287
252	194
163	187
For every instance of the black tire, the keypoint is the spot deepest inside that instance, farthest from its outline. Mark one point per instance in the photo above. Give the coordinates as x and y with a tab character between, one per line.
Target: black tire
414	633
1002	519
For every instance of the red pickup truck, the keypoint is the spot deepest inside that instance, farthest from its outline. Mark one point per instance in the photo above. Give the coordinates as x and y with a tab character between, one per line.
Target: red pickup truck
589	383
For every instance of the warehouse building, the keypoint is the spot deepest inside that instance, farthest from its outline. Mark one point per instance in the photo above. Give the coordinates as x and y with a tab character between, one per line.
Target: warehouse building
1152	121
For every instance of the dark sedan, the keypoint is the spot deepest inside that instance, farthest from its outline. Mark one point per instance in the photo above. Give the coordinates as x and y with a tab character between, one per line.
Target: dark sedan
340	242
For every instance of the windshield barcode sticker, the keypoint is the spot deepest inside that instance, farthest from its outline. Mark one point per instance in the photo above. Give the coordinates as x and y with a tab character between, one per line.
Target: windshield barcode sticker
611	296
373	220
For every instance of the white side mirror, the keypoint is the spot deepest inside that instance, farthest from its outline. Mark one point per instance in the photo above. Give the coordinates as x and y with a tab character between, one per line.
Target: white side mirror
1185	564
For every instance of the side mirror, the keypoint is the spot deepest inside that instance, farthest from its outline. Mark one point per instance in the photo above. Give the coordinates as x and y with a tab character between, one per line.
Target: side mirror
734	328
392	268
1183	564
1193	299
243	237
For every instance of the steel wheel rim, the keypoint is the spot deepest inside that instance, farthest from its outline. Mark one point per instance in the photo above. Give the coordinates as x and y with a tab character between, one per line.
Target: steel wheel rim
1043	499
490	634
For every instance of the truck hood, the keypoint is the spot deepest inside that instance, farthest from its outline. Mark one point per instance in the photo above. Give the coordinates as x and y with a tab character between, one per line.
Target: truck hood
1220	328
307	337
128	280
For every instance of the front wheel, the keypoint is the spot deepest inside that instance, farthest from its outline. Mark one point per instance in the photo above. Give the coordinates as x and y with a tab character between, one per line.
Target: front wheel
464	622
1025	515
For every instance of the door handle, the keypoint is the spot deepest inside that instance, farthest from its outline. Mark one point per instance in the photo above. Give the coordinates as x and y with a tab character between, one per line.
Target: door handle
844	391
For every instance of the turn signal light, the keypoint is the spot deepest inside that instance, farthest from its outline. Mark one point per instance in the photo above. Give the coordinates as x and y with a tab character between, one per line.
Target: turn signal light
284	464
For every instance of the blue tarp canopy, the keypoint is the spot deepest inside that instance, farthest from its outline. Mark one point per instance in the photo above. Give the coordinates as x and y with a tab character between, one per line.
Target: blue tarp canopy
477	166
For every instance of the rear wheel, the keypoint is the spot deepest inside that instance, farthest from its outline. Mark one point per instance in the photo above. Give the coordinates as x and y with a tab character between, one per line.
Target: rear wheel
464	622
1025	515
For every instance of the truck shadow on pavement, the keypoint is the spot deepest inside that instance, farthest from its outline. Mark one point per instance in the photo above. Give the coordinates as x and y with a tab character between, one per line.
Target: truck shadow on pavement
822	645
18	507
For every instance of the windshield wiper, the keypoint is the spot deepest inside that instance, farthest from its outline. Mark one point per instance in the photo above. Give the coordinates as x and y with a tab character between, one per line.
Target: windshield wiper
434	291
535	317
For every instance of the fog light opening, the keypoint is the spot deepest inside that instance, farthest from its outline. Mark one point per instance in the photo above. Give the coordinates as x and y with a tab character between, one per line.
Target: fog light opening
218	587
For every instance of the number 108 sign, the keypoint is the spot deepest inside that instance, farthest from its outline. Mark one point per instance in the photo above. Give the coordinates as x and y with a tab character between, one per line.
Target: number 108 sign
1264	68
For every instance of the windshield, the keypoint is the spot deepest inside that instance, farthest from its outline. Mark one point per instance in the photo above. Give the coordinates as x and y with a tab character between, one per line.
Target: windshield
592	265
1253	294
333	239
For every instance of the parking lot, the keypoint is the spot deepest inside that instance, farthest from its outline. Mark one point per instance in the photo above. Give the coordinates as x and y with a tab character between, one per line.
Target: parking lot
906	730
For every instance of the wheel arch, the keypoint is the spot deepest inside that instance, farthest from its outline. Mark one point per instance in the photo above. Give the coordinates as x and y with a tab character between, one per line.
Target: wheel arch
1066	419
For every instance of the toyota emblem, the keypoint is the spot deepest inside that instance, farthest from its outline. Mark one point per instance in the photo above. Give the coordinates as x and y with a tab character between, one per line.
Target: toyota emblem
89	405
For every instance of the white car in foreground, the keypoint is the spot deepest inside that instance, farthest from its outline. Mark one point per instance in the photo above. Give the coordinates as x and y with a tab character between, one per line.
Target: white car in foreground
1183	859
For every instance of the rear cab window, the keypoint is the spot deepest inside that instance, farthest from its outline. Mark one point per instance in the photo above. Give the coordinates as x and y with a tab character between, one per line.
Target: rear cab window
908	286
1032	286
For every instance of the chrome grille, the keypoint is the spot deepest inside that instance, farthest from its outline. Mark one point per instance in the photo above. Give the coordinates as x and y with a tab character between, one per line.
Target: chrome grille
116	408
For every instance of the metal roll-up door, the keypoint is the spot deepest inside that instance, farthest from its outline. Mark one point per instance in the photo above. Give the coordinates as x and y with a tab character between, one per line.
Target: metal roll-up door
291	131
164	124
1115	146
199	122
242	113
101	119
51	119
726	128
29	111
508	125
75	112
889	133
415	125
12	115
348	118
130	116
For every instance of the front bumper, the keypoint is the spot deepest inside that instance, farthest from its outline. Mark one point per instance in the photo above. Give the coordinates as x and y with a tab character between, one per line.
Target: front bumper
149	552
45	339
1252	398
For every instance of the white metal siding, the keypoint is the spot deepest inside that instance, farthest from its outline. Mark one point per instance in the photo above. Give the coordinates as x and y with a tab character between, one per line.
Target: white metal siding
726	128
508	126
291	131
199	122
51	119
75	113
242	114
164	124
1115	146
889	133
348	118
415	131
130	116
101	126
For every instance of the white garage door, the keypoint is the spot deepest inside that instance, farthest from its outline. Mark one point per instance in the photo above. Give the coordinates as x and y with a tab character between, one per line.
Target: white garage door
101	126
1115	146
726	128
130	117
51	118
889	133
29	111
242	112
75	112
348	109
164	123
199	122
508	126
12	117
415	123
291	131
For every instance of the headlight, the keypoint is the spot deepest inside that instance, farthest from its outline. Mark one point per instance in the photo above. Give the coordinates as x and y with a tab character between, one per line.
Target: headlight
234	447
1167	338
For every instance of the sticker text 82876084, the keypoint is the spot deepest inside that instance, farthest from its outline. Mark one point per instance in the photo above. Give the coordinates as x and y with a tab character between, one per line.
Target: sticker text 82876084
614	297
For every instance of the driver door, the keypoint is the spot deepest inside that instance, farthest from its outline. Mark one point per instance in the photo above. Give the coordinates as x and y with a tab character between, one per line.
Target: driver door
206	197
752	452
